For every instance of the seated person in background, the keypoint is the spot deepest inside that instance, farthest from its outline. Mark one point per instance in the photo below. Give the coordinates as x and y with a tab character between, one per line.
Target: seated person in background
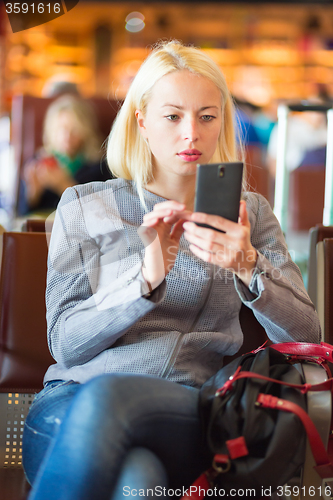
264	120
307	131
314	159
56	88
246	132
71	155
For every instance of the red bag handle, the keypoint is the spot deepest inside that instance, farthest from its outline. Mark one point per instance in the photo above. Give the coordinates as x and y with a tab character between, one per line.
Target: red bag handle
323	350
327	385
324	466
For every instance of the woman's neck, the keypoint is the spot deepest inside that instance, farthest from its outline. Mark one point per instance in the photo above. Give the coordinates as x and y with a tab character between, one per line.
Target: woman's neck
181	190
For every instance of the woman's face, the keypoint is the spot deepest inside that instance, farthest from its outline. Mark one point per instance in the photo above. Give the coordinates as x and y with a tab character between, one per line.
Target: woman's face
68	137
182	122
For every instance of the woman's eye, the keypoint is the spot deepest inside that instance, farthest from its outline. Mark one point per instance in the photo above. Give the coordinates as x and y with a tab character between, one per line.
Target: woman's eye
172	118
207	118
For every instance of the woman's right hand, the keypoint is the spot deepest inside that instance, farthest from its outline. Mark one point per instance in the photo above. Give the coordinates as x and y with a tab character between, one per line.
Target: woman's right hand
160	233
55	178
45	173
32	182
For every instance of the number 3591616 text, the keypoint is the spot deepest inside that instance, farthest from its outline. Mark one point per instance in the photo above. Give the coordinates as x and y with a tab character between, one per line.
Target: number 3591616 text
33	8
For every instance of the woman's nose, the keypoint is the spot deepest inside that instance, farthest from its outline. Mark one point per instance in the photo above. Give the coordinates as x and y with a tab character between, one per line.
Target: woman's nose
190	131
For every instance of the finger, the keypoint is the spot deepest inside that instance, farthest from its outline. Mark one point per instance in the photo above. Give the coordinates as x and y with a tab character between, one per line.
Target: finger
206	233
202	254
178	216
147	235
243	215
153	221
209	239
173	205
160	212
177	231
156	216
214	220
167	215
221	258
208	245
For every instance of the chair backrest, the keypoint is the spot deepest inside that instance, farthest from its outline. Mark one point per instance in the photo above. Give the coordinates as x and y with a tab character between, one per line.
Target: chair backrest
306	198
37	225
28	113
317	234
24	354
328	302
325	287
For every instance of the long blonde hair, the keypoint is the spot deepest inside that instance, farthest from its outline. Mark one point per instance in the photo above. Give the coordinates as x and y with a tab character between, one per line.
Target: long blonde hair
128	154
84	118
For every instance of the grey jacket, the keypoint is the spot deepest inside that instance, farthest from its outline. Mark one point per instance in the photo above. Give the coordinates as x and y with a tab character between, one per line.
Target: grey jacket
100	322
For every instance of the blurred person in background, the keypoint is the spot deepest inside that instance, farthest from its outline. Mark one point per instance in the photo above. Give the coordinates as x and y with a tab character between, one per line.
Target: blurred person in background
6	172
246	132
56	88
315	159
254	148
307	131
71	154
264	119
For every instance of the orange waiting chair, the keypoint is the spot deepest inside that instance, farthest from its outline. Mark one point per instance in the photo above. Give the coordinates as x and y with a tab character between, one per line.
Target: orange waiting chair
37	225
325	286
317	235
24	355
306	198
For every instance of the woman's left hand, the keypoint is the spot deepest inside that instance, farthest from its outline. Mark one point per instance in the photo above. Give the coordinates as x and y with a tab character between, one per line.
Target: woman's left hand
230	250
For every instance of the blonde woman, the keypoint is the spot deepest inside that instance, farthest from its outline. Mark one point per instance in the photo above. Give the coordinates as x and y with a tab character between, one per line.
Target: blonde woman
71	154
142	304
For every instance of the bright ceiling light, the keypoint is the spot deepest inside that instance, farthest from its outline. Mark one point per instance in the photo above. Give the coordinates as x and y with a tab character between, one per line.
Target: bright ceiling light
135	22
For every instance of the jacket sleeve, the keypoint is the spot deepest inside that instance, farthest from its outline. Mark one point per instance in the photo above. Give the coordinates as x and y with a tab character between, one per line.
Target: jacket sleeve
276	293
92	296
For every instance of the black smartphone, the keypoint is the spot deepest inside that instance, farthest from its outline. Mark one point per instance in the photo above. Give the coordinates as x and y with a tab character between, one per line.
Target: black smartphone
218	189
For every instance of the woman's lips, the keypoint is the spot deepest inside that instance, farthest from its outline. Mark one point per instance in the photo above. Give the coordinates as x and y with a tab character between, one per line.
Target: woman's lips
190	155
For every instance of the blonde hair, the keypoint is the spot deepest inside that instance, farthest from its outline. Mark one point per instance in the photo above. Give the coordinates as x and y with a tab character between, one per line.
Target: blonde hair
128	153
84	119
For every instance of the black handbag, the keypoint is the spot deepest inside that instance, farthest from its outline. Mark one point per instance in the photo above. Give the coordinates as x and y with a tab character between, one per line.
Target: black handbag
254	415
257	448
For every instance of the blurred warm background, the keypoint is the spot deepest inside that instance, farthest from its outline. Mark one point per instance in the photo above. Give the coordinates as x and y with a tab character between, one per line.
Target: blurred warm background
269	51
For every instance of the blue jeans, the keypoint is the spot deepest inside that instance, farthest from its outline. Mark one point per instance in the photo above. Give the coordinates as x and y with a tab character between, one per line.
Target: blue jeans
112	436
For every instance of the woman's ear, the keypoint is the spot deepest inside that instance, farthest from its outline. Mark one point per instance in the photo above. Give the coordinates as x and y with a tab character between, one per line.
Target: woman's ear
141	122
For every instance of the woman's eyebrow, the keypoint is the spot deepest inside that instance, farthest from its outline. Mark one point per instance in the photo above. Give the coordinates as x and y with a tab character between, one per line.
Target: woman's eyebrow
180	107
